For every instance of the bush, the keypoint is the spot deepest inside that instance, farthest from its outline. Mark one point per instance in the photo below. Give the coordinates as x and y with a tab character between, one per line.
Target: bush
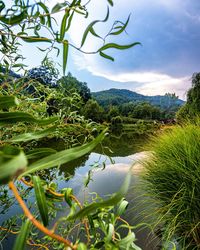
172	180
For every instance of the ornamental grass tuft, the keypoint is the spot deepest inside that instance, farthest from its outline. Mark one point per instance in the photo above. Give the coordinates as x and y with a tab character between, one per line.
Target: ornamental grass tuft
172	182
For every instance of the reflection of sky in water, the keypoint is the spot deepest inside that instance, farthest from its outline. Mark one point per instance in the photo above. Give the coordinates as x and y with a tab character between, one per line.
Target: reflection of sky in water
101	178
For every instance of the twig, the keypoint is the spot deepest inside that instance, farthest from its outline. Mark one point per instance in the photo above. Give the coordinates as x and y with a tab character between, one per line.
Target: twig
36	222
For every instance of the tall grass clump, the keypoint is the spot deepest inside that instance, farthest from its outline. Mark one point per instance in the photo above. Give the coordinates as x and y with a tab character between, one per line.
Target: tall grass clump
172	181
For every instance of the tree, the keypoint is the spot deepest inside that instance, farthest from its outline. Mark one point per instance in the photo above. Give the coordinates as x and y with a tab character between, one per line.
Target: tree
192	107
113	112
92	110
69	84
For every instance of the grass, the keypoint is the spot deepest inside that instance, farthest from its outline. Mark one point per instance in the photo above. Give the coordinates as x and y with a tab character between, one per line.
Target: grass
172	182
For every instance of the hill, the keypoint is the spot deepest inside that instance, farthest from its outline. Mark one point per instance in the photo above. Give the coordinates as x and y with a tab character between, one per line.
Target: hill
121	96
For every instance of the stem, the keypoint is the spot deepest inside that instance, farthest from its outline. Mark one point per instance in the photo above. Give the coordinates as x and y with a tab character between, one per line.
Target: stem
34	221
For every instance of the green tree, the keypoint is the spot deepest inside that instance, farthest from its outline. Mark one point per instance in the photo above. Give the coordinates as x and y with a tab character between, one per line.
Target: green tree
113	112
70	84
146	111
92	110
192	107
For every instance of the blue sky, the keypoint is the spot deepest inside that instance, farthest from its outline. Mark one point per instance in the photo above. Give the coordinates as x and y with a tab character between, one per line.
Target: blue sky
169	31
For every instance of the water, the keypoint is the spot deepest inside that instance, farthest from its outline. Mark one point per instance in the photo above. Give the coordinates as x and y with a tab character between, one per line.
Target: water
124	151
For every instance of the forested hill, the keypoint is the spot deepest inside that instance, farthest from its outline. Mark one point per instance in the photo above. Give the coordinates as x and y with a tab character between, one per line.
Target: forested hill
120	96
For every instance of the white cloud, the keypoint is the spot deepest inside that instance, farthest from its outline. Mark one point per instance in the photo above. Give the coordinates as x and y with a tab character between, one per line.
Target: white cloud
166	84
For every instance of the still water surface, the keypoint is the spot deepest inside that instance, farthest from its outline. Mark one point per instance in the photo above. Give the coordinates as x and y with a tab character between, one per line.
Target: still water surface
124	151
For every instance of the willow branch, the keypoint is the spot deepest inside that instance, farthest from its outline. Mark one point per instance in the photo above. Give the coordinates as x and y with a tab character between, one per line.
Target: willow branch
36	222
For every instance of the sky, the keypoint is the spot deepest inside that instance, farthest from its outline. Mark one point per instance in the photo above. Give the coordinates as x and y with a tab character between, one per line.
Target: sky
169	33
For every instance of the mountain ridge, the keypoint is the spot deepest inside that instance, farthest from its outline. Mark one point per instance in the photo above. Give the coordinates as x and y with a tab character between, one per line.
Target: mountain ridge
120	96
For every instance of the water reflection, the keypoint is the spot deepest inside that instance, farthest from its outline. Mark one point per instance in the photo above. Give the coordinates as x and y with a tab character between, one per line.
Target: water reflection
124	151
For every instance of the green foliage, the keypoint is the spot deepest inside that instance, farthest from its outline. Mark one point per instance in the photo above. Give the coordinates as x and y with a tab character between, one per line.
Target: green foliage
27	22
13	162
20	242
192	107
172	181
93	111
24	126
116	120
41	199
70	84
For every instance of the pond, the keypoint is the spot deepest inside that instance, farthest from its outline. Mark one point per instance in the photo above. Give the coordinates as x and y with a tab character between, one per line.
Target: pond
117	154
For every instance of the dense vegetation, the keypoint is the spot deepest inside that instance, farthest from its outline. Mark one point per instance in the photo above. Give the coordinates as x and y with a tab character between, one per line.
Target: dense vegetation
191	109
36	107
172	181
135	105
172	177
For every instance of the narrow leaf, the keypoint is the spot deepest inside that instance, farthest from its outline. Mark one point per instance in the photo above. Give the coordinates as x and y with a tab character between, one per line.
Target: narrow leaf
63	25
35	39
40	152
13	117
68	192
20	242
122	28
110	232
106	56
90	27
33	135
106	203
110	2
58	7
122	207
12	162
117	46
41	199
65	55
14	19
64	156
8	101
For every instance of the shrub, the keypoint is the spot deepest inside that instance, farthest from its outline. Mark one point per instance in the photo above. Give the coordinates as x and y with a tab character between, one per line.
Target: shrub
172	180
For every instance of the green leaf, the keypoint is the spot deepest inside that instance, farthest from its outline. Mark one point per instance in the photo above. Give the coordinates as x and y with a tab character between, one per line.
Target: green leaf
41	199
106	203
106	56
122	207
63	24
69	22
35	39
110	2
122	28
17	65
93	32
2	6
109	233
82	246
20	242
123	244
126	242
46	10
58	7
64	156
117	46
65	55
90	27
68	192
8	101
33	135
40	152
13	117
12	162
13	20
